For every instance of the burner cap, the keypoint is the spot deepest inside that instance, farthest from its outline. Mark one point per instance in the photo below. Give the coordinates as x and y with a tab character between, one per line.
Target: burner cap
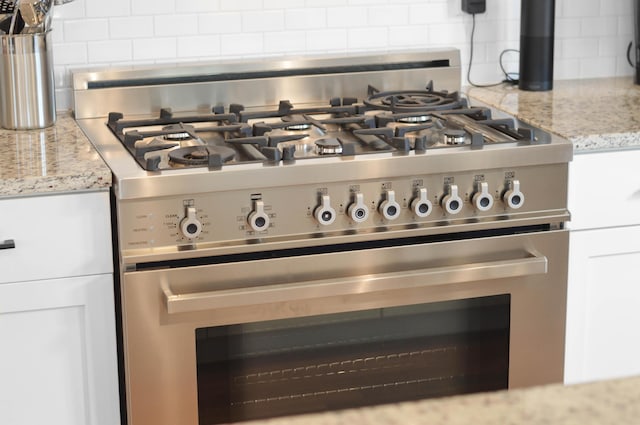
328	146
201	155
192	155
453	136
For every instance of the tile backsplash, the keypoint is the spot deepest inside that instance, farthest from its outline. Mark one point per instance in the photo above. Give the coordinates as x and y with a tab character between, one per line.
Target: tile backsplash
591	36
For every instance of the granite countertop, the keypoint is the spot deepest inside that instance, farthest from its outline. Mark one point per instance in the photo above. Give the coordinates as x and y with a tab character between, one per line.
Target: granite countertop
600	403
595	114
53	160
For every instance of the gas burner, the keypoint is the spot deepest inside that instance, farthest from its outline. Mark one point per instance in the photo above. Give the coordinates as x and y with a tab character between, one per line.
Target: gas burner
407	101
328	146
453	136
413	100
200	155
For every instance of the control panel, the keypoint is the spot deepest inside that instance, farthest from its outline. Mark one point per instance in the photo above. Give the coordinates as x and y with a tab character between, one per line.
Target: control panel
299	211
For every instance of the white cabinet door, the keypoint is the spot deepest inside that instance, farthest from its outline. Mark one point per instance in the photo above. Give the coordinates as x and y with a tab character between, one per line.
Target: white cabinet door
55	236
603	310
58	352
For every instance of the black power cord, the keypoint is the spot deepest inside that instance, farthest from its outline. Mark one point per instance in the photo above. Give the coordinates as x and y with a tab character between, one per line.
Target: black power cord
508	76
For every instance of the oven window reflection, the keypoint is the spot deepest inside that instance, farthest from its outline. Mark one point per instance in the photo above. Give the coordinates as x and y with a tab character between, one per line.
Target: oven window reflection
294	366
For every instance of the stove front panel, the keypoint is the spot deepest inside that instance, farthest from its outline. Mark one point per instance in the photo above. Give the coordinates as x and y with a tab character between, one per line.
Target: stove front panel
327	212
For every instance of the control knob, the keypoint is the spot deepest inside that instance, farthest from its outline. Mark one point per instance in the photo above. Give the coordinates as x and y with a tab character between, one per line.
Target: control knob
389	208
190	226
421	205
513	197
323	213
258	220
482	199
358	211
452	202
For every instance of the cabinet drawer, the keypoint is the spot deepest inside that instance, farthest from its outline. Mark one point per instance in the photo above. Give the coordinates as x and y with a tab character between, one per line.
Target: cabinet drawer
55	236
604	189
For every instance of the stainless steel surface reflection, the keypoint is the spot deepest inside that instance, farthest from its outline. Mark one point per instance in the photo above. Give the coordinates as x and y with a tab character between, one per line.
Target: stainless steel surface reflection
27	86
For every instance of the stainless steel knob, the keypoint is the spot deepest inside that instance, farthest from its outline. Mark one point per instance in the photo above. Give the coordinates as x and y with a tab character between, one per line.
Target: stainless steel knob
358	210
190	226
421	205
389	208
258	219
513	196
452	202
482	199
324	213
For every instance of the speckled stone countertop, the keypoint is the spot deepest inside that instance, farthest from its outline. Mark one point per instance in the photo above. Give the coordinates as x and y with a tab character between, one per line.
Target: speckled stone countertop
601	403
56	159
595	114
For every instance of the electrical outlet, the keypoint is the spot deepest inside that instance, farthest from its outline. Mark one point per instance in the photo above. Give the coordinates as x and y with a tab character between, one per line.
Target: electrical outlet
474	6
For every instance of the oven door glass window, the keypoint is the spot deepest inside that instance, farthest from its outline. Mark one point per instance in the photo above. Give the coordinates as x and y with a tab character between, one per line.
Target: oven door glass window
312	364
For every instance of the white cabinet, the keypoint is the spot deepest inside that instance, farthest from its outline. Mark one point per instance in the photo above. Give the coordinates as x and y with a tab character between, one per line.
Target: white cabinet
58	360
603	311
603	332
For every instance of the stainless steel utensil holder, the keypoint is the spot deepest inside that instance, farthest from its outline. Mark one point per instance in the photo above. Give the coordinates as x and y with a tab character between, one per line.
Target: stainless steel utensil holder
27	86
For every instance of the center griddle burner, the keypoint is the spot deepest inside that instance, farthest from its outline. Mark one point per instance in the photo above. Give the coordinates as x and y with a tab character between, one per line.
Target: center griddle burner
418	101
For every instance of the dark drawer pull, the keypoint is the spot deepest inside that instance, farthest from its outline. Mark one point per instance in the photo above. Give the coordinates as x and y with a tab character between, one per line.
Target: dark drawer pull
8	244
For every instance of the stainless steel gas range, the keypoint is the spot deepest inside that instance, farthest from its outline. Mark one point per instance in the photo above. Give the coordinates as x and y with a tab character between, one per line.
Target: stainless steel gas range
301	235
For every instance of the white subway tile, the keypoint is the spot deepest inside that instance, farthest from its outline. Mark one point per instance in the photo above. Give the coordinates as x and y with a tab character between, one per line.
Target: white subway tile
263	21
153	7
579	47
73	10
110	51
175	25
346	17
566	68
599	26
241	44
198	6
452	33
154	48
325	3
616	8
597	67
220	23
364	38
409	36
567	27
70	54
199	47
283	4
388	15
577	8
285	42
131	27
305	19
86	30
327	40
429	12
103	9
234	5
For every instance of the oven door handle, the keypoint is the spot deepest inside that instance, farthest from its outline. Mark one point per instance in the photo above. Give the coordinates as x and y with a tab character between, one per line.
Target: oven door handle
352	285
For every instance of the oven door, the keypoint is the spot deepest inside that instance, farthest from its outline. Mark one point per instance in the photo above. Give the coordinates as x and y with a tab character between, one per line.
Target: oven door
278	333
